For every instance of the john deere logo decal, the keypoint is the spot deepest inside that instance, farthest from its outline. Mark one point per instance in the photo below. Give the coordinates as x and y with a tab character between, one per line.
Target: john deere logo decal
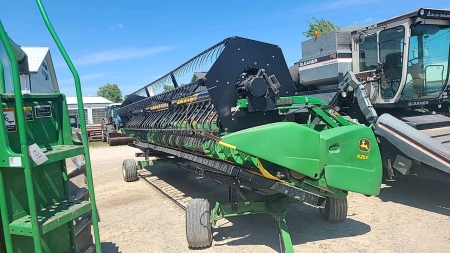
364	145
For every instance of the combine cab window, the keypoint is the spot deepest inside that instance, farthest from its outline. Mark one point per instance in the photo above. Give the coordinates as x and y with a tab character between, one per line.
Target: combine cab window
428	60
368	54
391	54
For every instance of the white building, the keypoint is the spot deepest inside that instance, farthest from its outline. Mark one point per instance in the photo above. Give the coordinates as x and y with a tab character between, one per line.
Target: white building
94	108
41	77
37	74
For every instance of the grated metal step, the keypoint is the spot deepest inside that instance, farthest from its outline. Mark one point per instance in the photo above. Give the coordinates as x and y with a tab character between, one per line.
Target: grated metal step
60	152
51	217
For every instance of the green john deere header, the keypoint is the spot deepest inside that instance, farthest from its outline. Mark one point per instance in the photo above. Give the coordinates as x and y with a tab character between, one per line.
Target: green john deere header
242	125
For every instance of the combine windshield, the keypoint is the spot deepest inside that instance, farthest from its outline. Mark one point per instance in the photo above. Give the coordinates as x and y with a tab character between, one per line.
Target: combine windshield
428	60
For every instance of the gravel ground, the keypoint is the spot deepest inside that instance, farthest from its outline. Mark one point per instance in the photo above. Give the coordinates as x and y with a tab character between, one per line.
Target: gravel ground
148	216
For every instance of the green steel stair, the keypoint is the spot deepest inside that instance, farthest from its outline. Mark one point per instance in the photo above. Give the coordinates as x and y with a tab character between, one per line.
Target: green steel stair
61	152
42	207
51	217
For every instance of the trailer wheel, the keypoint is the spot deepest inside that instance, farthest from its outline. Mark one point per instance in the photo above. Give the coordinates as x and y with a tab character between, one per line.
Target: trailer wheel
129	170
198	225
335	209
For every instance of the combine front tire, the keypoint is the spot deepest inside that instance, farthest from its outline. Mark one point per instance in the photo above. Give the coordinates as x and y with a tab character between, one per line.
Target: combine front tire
198	225
129	170
335	209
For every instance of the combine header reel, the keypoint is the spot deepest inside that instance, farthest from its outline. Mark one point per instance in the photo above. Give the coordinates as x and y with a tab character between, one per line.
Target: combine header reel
242	126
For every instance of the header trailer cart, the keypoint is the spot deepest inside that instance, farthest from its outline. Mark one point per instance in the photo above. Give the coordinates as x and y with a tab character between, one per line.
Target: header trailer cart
243	126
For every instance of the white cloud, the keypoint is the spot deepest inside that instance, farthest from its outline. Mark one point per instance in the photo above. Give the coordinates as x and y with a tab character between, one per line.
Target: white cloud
365	21
87	91
120	26
119	54
368	20
92	76
82	78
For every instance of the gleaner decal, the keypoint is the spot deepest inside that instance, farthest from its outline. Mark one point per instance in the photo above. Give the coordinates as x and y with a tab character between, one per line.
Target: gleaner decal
308	62
335	56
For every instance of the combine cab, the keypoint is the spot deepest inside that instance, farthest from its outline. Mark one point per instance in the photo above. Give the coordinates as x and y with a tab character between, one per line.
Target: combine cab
243	126
393	74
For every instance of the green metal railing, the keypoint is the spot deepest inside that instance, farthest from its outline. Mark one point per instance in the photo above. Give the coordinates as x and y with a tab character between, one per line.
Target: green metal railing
22	139
82	120
26	163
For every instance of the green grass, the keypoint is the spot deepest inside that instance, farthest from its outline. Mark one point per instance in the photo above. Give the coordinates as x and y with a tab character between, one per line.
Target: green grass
98	144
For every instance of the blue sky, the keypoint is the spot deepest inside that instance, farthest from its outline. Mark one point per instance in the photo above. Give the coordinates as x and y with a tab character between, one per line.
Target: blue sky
132	43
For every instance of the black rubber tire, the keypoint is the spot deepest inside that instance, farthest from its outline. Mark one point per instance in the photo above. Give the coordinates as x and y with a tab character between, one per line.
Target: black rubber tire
335	209
198	225
129	170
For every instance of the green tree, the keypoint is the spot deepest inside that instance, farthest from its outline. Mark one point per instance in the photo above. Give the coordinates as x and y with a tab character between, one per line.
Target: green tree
320	26
168	87
111	92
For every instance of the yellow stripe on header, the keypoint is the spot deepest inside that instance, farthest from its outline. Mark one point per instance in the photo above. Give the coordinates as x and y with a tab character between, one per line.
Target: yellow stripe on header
226	145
